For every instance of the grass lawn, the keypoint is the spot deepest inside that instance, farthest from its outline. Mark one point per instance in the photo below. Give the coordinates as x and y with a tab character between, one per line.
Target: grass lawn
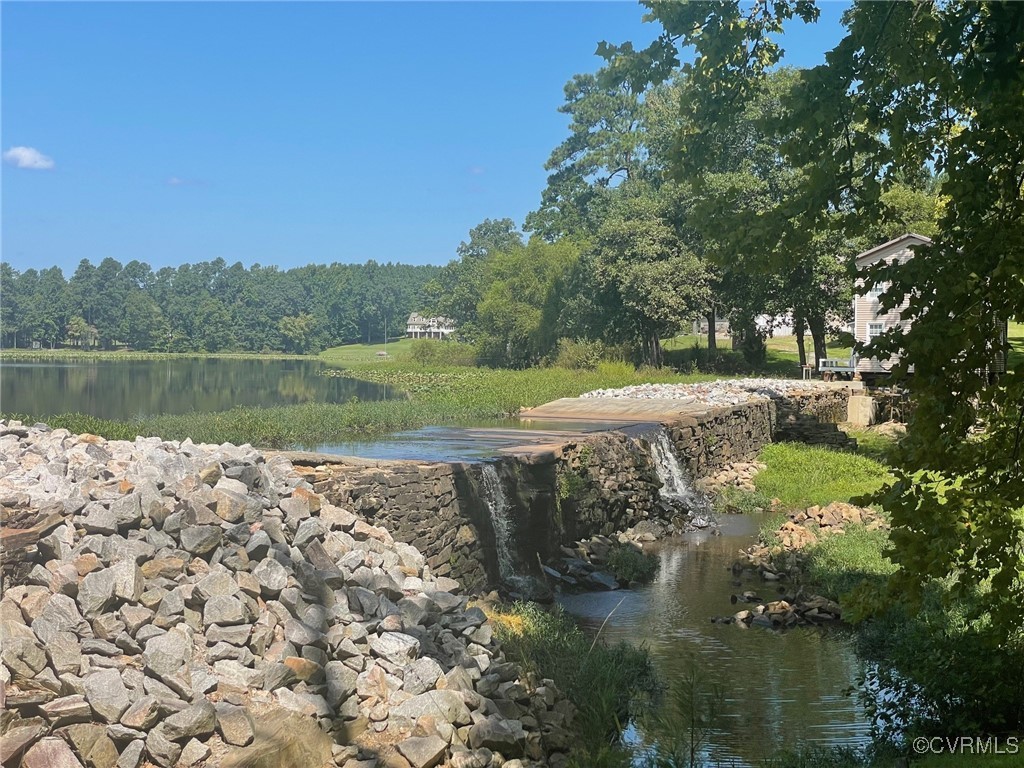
801	475
354	354
1015	335
782	357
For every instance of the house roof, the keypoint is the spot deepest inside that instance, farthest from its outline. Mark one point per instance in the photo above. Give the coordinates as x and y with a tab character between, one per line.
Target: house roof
900	241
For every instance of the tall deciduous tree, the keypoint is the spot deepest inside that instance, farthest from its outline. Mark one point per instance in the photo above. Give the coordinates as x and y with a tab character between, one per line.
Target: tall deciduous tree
910	86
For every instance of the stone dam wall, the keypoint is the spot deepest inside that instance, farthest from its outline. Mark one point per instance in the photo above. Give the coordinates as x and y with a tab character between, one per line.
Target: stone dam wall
552	496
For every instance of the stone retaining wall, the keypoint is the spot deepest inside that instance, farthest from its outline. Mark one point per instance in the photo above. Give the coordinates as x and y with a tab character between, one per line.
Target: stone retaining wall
597	484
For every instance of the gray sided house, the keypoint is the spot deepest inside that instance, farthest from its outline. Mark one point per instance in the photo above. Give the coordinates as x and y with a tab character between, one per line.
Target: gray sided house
868	319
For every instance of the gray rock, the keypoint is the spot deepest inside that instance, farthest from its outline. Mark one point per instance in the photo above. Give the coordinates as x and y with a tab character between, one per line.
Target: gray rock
143	714
64	652
106	694
396	647
194	752
67	709
127	510
51	752
231	504
446	705
128	581
131	756
223	610
99	519
162	750
421	675
198	720
341	682
166	653
235	725
302	634
60	614
235	635
96	592
21	651
423	751
272	577
217	583
505	736
258	545
200	539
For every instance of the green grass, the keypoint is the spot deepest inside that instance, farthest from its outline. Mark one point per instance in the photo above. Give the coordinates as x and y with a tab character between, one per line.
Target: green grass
840	562
353	354
494	392
607	683
632	564
802	475
1015	335
872	443
305	425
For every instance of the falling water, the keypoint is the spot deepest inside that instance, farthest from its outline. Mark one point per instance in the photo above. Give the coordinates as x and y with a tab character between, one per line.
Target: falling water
501	521
675	485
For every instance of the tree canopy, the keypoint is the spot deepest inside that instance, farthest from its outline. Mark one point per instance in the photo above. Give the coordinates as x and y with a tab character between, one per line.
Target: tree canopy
912	90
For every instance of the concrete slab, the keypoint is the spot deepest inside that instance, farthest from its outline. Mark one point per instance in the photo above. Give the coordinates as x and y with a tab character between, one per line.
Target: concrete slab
619	410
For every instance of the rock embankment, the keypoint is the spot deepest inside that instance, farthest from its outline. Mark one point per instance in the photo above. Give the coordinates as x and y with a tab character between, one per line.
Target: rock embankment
177	604
782	562
715	393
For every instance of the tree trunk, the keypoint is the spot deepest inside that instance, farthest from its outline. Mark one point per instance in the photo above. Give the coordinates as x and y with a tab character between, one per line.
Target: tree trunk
800	346
817	326
712	340
653	345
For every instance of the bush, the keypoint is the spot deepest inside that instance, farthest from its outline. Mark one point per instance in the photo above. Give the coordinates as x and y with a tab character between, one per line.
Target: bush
632	564
435	352
579	355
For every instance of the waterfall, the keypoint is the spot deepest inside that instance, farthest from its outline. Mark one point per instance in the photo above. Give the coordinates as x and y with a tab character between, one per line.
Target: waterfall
499	508
676	487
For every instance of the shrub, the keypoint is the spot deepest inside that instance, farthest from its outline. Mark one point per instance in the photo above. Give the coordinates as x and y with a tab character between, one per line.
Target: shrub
632	564
579	355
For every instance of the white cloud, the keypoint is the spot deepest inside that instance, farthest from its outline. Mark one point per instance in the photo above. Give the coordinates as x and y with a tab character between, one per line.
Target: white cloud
28	157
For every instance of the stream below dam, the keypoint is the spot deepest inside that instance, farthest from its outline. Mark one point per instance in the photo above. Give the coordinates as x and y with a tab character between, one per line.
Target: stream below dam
779	689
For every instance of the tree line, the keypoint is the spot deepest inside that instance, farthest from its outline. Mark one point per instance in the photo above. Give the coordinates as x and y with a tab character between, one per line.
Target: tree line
626	253
208	306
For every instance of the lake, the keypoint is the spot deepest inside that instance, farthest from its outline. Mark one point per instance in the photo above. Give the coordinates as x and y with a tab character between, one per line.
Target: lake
125	389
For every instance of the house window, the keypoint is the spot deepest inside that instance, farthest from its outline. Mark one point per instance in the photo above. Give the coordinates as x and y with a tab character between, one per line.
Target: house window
877	290
875	330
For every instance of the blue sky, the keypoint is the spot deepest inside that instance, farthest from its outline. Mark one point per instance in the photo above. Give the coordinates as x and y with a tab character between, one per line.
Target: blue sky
290	133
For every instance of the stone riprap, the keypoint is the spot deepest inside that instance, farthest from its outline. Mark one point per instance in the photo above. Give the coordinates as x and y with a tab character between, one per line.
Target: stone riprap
190	594
714	393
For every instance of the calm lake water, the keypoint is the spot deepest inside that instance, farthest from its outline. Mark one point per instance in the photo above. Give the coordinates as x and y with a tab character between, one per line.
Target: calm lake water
125	389
780	688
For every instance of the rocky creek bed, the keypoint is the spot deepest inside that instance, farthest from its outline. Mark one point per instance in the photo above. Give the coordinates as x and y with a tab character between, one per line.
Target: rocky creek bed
176	604
779	565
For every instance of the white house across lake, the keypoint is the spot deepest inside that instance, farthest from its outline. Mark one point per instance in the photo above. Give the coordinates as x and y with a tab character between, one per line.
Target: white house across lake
420	327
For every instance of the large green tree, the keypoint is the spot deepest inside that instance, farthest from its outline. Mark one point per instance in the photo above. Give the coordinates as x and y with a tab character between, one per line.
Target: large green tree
911	86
